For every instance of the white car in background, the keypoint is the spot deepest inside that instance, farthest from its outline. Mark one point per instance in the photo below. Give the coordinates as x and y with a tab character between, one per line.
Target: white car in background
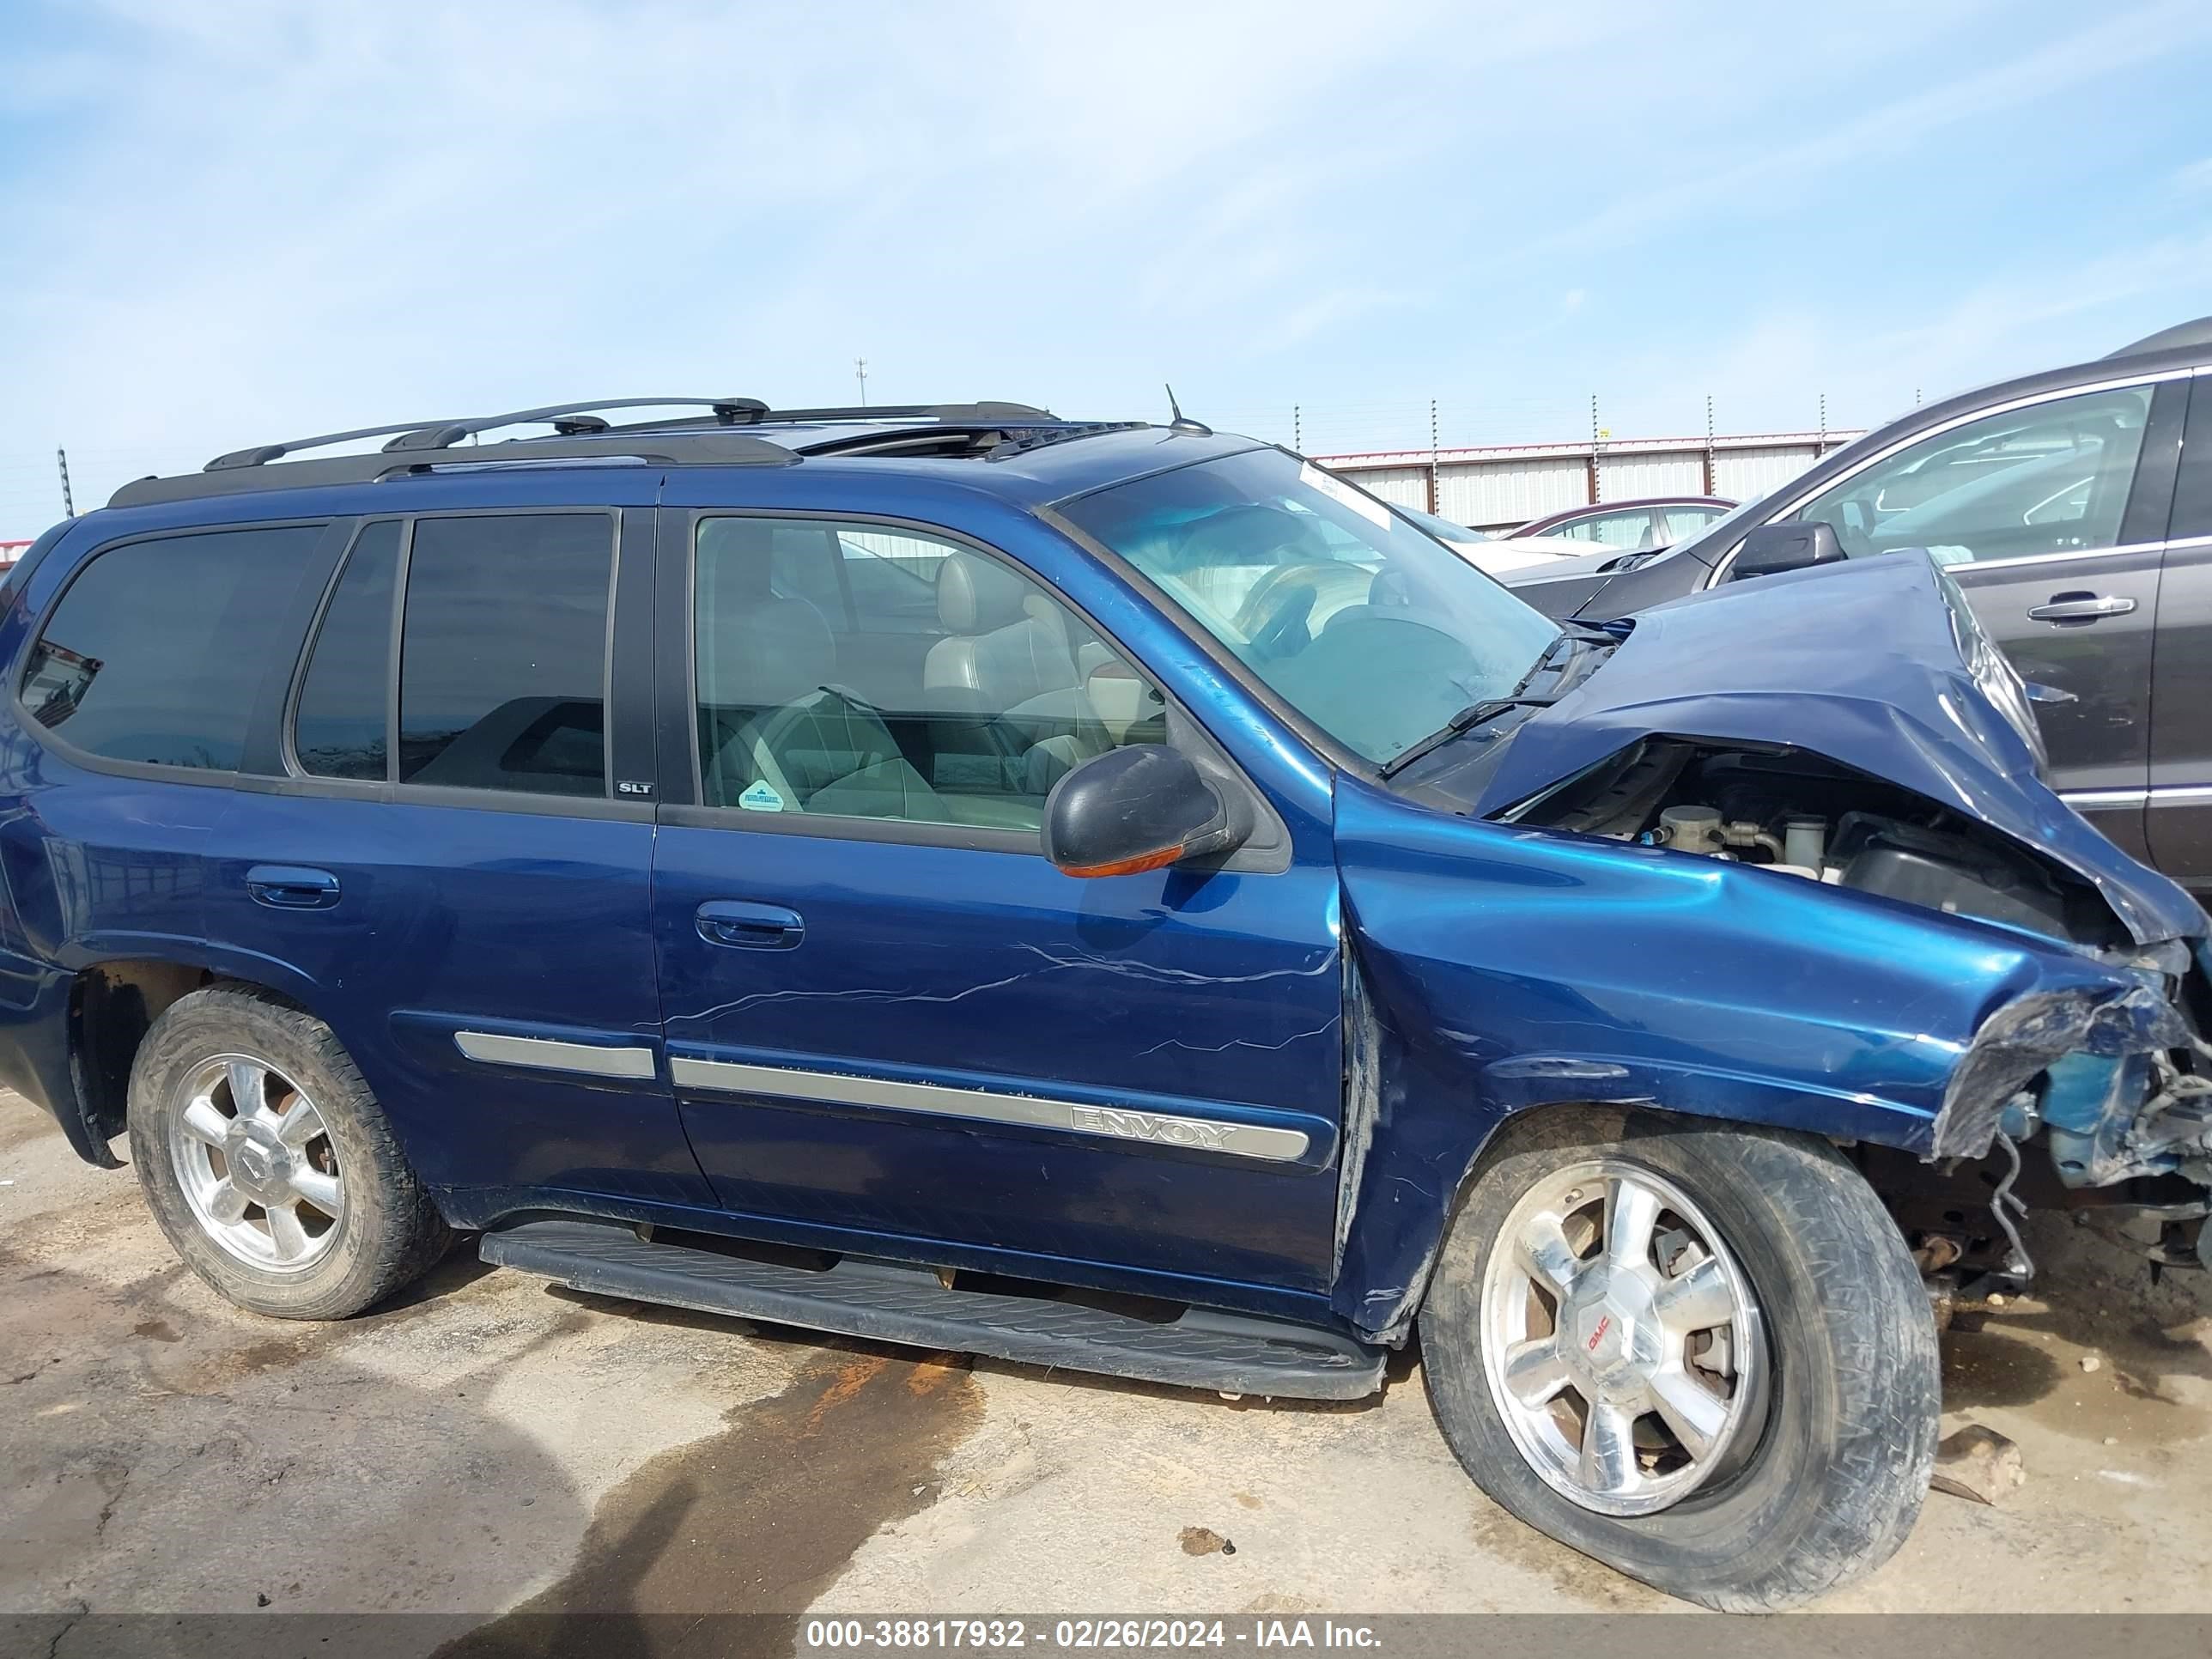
1493	554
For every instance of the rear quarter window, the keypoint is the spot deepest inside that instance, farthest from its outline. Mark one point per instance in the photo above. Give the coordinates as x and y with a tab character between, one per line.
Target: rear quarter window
157	651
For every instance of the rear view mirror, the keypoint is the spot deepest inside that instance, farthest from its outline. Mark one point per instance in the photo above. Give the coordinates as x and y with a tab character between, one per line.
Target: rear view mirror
1143	806
1772	548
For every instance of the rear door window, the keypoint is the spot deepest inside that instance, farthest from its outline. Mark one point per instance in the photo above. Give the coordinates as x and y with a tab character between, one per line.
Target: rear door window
504	653
1632	528
1684	521
157	651
340	730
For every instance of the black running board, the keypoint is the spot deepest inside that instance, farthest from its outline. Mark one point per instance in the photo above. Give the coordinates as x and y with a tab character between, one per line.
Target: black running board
894	1302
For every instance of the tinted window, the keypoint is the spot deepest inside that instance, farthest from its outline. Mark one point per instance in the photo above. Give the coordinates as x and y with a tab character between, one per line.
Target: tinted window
848	672
1684	522
503	654
339	730
157	651
2192	492
2050	478
1629	529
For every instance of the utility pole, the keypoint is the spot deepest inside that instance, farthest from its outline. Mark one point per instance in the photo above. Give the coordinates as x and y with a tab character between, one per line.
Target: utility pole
1435	493
1298	430
1592	481
69	503
860	373
1710	468
1822	448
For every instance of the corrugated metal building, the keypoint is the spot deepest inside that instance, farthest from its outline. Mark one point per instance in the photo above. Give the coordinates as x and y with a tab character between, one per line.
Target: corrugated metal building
1499	486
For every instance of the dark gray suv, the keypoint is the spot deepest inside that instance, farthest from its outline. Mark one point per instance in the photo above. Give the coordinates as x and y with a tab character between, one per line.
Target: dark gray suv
2074	507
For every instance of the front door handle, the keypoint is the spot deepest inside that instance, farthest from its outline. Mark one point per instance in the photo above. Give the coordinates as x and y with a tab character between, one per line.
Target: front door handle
2079	608
292	887
749	926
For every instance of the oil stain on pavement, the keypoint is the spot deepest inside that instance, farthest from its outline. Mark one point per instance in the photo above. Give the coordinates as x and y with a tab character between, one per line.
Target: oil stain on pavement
756	1520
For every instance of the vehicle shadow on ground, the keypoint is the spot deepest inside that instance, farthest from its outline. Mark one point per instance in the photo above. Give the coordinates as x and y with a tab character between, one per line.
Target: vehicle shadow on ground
727	1540
143	1421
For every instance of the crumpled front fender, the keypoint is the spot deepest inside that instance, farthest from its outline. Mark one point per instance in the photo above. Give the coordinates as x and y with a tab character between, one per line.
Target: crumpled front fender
2027	1037
2094	1070
1500	970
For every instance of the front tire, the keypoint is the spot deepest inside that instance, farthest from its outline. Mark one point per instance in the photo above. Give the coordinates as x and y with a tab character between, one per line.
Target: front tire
268	1163
1699	1354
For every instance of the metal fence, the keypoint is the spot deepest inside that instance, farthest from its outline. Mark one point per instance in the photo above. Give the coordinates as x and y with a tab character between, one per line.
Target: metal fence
1497	486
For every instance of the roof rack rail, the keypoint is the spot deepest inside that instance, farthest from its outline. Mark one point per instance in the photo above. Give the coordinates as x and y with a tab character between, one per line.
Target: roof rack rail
704	448
975	414
261	454
567	419
586	418
582	433
572	420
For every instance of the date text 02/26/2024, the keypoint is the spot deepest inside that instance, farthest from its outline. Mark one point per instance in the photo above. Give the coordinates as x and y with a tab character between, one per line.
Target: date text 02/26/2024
829	1635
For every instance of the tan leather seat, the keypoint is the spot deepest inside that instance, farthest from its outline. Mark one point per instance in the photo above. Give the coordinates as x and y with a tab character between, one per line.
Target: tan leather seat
779	735
1011	713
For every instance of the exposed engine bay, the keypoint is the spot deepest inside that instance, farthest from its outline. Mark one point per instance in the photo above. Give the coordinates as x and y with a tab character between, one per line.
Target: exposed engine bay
2117	1092
1801	815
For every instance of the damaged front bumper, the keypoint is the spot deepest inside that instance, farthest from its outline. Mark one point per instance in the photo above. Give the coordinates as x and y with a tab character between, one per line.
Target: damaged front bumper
2117	1081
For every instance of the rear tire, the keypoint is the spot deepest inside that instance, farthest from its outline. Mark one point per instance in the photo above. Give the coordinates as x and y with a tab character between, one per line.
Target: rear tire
268	1163
1816	1476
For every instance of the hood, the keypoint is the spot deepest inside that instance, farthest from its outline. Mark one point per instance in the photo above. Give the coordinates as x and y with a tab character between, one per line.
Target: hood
1861	662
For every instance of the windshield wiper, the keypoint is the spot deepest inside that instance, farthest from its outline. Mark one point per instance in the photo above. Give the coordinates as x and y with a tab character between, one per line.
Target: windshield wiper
1489	709
1466	720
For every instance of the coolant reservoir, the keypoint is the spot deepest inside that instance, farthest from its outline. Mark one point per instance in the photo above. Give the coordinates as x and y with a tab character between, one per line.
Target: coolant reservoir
1805	840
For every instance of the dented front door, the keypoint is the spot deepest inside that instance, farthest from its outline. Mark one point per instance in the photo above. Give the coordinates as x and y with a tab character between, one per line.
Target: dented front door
969	1046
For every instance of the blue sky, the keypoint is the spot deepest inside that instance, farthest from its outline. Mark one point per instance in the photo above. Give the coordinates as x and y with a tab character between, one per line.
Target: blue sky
236	222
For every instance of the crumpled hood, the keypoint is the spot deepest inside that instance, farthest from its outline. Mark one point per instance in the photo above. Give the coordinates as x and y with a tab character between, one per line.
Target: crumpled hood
1859	662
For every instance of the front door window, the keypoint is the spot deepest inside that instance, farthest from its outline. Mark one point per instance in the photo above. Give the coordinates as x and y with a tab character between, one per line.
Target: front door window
850	670
2053	477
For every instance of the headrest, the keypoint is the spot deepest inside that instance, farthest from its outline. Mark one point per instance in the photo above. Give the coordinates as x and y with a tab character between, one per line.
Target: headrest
975	595
742	551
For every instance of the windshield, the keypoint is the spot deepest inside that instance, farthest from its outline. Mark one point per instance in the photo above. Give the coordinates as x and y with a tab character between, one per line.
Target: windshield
1443	529
1375	632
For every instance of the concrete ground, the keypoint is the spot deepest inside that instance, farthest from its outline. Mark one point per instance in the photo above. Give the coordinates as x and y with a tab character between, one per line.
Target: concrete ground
491	1444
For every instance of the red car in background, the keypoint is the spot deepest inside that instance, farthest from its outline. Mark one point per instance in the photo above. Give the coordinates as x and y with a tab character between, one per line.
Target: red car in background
1654	521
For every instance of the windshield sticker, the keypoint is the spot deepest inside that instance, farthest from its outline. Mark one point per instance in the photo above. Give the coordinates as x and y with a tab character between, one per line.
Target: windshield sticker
1345	495
761	797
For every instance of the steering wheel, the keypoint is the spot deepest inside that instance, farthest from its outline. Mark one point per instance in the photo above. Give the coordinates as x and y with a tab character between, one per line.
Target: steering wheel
1284	633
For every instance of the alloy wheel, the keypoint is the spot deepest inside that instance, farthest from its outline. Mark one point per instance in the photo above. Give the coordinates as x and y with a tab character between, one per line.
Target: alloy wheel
256	1163
1620	1340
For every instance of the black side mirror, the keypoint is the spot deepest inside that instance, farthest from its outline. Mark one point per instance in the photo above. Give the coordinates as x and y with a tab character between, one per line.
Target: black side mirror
1141	807
1772	548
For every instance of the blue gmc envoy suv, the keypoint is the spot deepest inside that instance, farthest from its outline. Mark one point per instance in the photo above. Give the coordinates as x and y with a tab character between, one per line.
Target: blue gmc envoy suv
1095	893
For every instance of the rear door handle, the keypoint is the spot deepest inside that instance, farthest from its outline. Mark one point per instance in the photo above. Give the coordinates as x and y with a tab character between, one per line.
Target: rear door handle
2080	607
749	926
292	887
